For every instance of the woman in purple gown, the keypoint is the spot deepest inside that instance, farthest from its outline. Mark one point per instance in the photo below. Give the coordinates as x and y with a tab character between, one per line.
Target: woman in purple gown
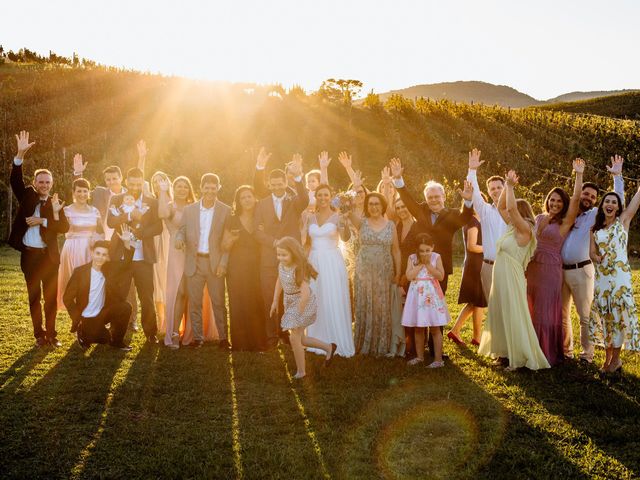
544	273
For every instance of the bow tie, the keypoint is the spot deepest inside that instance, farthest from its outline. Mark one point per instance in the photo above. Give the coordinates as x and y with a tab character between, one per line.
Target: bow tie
42	202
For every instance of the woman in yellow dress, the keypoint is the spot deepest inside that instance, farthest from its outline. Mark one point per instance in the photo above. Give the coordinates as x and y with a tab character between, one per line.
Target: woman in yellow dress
508	331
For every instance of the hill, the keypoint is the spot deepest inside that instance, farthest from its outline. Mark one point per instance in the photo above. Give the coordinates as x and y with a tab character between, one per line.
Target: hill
468	92
579	96
192	127
625	106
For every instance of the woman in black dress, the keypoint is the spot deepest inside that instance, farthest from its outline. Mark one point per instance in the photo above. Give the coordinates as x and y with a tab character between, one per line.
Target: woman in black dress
245	299
471	292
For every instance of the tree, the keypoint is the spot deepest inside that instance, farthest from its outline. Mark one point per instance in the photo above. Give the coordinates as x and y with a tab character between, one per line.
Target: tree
372	101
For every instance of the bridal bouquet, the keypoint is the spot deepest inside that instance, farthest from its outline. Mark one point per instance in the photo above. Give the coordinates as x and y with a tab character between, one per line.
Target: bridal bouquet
344	201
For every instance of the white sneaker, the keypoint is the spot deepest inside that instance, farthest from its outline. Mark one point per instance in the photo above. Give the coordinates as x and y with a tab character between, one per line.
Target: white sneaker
436	365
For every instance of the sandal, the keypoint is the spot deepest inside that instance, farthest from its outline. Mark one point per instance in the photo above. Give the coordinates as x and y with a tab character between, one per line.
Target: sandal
436	364
414	361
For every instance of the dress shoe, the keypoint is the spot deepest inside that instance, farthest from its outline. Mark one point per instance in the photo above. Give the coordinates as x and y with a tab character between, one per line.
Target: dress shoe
152	339
455	338
41	342
475	342
224	344
122	346
327	361
195	344
54	342
134	326
83	344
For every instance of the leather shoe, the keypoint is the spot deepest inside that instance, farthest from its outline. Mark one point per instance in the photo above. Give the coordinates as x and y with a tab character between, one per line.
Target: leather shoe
122	346
84	345
195	344
152	339
41	342
54	342
224	344
455	338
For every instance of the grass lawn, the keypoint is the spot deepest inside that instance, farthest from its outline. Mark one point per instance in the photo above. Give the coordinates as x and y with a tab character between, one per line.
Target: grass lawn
157	413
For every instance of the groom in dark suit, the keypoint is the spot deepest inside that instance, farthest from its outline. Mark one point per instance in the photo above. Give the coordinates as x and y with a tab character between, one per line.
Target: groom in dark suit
94	297
145	225
277	216
34	233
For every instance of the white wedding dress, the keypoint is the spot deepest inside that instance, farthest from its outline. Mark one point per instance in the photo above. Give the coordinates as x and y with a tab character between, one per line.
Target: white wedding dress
333	321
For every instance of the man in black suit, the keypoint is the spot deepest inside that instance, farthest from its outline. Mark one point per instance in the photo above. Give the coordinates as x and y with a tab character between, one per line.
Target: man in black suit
94	297
277	216
34	233
145	225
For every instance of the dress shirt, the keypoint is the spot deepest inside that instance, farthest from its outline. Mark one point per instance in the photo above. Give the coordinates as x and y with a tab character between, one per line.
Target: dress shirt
399	183
138	253
576	246
491	222
32	237
206	220
96	295
277	205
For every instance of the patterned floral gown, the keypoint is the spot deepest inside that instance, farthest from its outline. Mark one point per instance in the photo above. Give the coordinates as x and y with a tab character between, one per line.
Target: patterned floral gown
373	282
613	321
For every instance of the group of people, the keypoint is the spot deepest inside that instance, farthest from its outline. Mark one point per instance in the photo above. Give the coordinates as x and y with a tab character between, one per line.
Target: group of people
281	252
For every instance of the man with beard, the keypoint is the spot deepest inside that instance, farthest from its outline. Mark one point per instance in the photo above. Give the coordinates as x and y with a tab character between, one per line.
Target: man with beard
577	267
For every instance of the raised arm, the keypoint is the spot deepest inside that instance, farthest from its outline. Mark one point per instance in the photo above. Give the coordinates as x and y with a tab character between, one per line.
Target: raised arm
414	207
142	154
479	205
523	228
301	200
345	160
324	160
164	198
628	213
259	184
389	192
616	171
16	180
355	219
574	204
502	206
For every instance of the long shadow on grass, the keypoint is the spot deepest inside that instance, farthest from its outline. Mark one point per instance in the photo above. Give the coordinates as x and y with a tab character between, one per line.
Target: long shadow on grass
45	427
13	376
607	416
169	418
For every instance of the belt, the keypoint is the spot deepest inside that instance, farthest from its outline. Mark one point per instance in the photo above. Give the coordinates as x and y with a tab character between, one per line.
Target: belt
488	262
206	255
574	266
35	249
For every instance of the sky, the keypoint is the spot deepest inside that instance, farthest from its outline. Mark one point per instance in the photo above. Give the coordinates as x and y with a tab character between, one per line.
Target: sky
542	48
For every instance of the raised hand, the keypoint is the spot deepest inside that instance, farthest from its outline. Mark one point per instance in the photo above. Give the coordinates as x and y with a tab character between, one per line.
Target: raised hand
126	235
512	179
385	174
467	192
357	179
345	160
578	165
56	204
263	158
142	149
616	165
396	167
163	184
474	159
78	166
23	144
295	165
324	160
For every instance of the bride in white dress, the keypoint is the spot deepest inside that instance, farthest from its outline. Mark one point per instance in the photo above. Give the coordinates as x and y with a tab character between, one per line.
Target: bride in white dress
333	320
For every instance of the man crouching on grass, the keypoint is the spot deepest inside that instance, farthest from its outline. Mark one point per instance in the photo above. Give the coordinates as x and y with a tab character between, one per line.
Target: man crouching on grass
94	297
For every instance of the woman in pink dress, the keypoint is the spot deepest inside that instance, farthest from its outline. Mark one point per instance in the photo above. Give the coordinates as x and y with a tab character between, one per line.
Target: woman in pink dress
176	300
544	273
85	226
162	252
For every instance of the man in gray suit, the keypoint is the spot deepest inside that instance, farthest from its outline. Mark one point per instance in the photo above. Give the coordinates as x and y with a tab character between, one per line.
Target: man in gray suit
200	235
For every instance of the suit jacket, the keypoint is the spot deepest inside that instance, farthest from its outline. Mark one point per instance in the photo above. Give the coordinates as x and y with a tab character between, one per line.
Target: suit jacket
28	199
189	233
448	222
145	229
76	294
268	228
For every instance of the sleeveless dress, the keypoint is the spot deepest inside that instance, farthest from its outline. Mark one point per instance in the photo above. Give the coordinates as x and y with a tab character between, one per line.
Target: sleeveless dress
613	321
292	318
76	250
176	292
160	269
471	285
373	282
544	290
246	314
331	287
426	305
508	331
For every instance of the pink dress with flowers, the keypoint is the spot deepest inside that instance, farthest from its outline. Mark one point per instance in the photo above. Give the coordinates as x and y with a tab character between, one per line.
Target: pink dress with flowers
425	305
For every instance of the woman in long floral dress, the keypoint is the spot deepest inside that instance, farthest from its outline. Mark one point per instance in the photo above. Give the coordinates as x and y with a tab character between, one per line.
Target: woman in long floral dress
613	322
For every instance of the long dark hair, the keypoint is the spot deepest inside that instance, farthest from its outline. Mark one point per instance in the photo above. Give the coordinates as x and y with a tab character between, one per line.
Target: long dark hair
191	197
304	270
564	196
237	208
599	223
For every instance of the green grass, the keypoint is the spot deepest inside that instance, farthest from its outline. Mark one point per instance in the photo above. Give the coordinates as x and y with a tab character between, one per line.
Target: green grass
156	413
